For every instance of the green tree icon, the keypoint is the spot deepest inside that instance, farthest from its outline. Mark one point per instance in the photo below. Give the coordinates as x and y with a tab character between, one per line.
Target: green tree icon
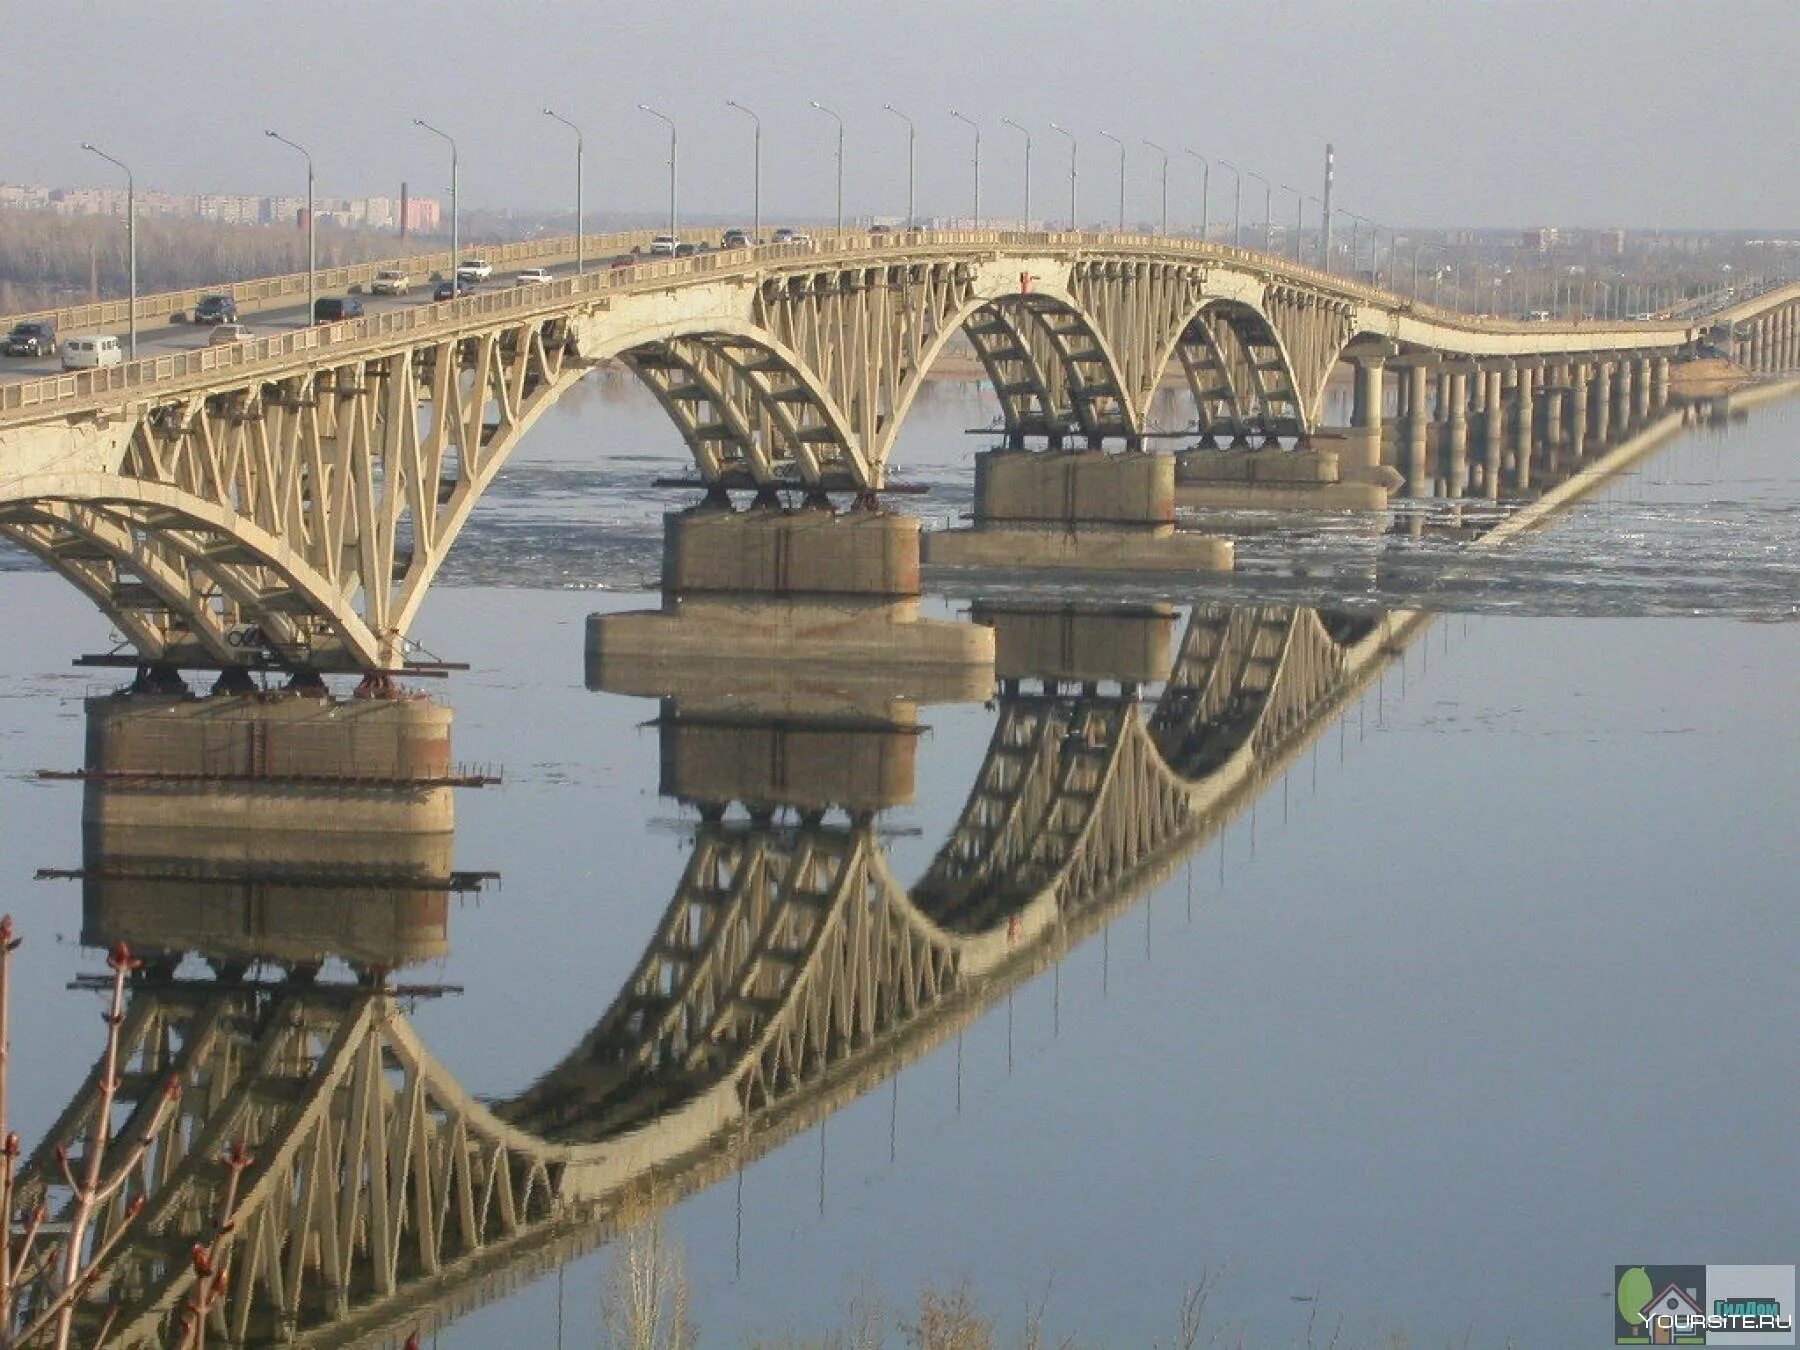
1635	1291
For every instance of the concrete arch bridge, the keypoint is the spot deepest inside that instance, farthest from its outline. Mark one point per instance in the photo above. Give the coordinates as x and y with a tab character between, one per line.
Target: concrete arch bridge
791	973
289	501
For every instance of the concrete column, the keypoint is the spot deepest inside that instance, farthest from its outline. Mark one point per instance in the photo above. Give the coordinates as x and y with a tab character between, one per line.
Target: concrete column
1600	406
1621	395
1555	390
1578	411
1640	390
1659	382
1361	450
1415	464
1493	426
1453	446
1525	419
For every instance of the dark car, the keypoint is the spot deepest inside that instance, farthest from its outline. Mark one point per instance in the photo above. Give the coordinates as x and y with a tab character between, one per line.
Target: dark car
31	339
216	309
336	308
447	290
735	239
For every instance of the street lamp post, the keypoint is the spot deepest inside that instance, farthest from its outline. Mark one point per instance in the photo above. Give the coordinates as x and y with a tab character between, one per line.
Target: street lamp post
312	255
1205	189
580	156
1163	228
1268	210
912	135
1324	228
455	215
1299	217
1074	146
840	160
1121	144
130	233
674	166
1237	202
976	219
755	169
1025	220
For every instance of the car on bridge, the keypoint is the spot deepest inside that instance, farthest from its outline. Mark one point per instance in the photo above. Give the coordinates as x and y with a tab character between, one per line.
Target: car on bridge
736	239
31	338
336	308
216	309
453	290
91	351
787	236
474	269
533	276
665	244
390	281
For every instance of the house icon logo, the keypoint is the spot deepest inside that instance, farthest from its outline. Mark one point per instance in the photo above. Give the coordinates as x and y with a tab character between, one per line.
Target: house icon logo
1659	1305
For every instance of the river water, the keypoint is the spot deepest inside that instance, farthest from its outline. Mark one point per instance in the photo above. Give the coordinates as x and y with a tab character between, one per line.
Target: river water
1493	989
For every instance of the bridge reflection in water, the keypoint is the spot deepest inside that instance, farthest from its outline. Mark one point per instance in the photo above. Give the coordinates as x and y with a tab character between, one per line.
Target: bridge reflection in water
791	972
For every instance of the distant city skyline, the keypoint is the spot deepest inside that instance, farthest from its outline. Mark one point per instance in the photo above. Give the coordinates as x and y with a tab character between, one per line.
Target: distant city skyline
1643	116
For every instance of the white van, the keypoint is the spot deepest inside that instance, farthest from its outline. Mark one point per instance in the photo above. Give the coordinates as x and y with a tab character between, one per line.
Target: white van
90	351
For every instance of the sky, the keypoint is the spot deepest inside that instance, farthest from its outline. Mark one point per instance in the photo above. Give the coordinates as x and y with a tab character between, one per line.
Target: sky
1647	113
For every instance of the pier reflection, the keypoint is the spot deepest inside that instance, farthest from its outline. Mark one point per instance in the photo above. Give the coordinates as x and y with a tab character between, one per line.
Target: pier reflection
790	973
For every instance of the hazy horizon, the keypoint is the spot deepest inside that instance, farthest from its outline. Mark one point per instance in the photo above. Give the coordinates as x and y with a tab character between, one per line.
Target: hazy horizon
1509	114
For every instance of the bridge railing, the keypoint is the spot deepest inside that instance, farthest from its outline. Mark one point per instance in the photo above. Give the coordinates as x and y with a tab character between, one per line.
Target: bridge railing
269	292
451	318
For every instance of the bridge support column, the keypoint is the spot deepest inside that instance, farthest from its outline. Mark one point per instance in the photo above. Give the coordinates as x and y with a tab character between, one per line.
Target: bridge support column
1621	395
1555	391
1640	391
237	761
1362	449
1079	509
1600	406
1524	425
1415	464
773	587
1453	448
1277	479
1577	412
1659	382
1493	429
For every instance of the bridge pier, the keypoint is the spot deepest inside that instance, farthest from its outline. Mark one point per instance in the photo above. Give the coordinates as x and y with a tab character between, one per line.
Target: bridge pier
1415	463
269	763
1640	391
1555	391
1524	422
1621	396
1577	412
1073	644
1083	509
1600	406
1493	427
1362	454
769	585
1270	478
1454	443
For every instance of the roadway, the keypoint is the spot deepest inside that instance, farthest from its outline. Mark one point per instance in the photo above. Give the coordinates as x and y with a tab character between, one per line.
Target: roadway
163	339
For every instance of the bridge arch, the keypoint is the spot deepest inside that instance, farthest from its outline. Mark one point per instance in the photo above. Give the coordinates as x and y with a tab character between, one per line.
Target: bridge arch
164	538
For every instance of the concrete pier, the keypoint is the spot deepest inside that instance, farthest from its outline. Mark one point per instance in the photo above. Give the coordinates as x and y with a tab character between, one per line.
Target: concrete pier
1275	479
269	763
1076	644
775	586
1076	509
